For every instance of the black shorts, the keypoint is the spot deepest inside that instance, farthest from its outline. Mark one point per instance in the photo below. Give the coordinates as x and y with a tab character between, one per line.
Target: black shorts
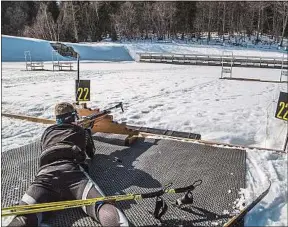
67	182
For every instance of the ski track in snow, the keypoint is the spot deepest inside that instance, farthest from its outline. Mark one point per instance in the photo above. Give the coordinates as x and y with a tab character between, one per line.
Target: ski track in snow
183	98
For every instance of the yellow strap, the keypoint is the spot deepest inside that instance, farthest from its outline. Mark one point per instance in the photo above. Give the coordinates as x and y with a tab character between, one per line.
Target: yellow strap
44	207
61	205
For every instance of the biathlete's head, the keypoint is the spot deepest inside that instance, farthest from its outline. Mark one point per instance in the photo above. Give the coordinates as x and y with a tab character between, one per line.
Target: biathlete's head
65	113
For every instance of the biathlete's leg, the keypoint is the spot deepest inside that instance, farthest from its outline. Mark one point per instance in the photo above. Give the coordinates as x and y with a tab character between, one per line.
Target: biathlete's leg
35	194
107	214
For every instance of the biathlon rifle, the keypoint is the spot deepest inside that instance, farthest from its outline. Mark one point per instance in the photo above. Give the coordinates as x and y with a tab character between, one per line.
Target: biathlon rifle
160	207
89	120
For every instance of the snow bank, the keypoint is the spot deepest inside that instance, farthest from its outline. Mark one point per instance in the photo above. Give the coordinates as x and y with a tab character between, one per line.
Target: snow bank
102	52
13	50
177	48
261	167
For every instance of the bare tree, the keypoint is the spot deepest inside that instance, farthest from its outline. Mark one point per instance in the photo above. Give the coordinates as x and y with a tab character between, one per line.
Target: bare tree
67	21
199	23
259	7
125	19
92	18
282	8
162	14
44	26
13	17
91	21
223	19
75	29
147	17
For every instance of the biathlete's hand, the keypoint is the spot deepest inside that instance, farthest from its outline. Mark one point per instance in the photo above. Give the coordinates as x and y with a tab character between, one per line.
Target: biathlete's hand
88	125
91	125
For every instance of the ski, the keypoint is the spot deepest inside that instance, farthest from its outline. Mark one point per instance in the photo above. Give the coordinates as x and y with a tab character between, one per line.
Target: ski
235	221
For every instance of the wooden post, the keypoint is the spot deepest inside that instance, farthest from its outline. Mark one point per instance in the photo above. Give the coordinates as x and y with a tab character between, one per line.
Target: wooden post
78	77
78	59
285	148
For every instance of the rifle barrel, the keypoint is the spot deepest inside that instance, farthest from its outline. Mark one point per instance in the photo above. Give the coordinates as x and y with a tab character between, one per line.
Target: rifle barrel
94	116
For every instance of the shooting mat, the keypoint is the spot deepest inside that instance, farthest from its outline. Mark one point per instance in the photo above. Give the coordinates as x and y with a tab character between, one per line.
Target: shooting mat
144	167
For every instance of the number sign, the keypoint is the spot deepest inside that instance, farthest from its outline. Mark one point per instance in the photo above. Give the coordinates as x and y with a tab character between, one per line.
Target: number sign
282	107
83	90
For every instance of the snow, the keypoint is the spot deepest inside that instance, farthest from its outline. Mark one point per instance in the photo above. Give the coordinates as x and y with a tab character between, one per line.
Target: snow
225	212
13	49
177	97
198	49
261	166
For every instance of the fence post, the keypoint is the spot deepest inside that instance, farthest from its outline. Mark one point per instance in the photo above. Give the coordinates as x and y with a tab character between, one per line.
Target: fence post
285	148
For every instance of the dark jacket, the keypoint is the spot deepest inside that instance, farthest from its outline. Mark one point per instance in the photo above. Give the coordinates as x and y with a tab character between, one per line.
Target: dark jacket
65	143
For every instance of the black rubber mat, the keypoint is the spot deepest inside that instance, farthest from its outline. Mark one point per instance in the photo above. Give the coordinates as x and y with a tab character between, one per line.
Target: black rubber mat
144	167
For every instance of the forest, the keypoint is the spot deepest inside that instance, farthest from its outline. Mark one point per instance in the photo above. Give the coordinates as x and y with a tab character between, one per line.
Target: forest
93	21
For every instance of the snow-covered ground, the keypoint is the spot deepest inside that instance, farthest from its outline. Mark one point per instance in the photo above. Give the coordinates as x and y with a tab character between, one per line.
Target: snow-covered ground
178	48
187	98
184	98
176	97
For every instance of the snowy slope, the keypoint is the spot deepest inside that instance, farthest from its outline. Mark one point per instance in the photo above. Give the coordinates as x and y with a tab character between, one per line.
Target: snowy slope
13	50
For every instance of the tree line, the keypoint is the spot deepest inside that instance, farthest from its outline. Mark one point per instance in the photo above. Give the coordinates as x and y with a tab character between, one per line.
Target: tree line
82	21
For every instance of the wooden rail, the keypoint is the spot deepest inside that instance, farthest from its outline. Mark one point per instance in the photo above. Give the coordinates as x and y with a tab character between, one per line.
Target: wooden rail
29	118
206	142
215	60
35	65
62	65
107	125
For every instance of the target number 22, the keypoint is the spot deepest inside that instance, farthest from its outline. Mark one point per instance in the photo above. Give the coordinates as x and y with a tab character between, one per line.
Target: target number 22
283	112
82	90
83	93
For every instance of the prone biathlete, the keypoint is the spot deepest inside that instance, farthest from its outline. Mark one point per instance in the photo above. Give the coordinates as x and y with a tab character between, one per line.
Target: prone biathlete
63	173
